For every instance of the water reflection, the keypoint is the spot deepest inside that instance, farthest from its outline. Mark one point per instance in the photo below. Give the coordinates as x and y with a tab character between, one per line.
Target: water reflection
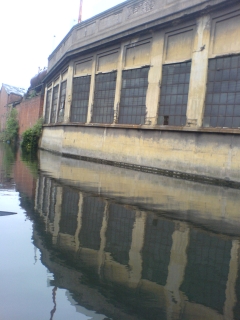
146	246
129	245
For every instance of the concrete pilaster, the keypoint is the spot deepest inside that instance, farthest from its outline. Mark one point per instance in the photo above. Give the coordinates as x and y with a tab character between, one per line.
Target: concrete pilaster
231	298
118	84
69	89
199	71
101	252
57	216
79	221
92	89
176	270
58	99
154	78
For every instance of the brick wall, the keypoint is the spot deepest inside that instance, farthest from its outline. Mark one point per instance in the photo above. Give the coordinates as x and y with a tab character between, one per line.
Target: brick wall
29	111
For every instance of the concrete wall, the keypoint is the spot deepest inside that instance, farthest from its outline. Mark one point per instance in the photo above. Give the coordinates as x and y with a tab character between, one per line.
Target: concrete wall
189	145
214	155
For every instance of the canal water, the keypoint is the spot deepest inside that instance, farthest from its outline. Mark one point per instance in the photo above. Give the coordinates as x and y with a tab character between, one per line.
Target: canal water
90	241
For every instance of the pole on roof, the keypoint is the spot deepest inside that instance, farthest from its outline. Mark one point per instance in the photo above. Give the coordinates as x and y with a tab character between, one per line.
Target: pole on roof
80	12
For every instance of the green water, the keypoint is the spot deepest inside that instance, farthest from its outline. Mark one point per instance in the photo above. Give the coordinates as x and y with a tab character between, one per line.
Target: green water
95	242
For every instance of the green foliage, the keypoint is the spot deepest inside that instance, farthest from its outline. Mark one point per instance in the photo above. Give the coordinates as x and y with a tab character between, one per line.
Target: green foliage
31	136
11	130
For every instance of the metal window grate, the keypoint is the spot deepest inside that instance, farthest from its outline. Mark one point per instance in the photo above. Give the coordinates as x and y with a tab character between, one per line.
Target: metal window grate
81	89
119	232
53	200
133	96
54	104
68	222
62	101
92	218
156	250
103	106
174	94
222	108
207	269
48	104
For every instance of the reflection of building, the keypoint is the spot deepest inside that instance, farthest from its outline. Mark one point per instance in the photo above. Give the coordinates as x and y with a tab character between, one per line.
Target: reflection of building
185	270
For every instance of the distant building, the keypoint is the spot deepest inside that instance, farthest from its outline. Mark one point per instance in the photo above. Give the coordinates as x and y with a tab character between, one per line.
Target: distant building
28	103
8	95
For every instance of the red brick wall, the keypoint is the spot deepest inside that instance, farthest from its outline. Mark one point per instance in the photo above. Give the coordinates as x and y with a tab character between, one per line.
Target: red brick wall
29	111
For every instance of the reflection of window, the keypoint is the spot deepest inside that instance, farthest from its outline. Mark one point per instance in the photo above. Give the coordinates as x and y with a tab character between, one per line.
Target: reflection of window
207	269
48	104
54	104
119	232
103	107
68	222
133	96
62	101
223	93
81	89
174	94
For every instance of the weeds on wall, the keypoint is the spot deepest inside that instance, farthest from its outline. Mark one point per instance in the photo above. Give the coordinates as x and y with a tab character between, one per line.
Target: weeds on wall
11	131
31	137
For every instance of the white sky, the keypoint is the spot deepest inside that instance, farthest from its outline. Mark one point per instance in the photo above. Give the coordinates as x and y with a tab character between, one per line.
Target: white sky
27	33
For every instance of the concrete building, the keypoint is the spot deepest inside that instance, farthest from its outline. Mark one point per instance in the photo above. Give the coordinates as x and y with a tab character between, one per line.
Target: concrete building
153	84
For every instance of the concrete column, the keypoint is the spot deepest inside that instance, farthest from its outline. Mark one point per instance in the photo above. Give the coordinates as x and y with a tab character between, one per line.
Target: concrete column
135	255
57	216
101	252
92	89
79	221
154	78
199	71
45	101
58	100
231	282
51	102
69	89
118	84
36	195
176	270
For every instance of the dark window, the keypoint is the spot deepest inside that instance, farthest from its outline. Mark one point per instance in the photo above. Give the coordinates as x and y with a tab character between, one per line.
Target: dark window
68	222
62	101
222	107
54	104
157	249
119	232
81	89
40	192
103	106
174	94
53	199
48	104
206	273
46	192
92	217
133	96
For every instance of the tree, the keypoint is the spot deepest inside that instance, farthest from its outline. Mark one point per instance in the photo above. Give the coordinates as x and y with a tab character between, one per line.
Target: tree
12	126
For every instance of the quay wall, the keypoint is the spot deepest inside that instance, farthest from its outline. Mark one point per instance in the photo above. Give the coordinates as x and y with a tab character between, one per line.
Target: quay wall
213	155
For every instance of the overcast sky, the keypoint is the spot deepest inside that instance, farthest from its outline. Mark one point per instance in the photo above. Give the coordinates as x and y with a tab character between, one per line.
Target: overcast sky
30	29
